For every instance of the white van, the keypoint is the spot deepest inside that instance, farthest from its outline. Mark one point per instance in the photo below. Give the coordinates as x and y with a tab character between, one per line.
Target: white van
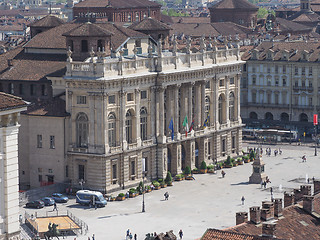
87	197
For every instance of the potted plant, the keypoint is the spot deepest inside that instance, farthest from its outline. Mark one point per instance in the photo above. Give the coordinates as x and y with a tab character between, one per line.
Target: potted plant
163	184
140	188
132	192
203	167
252	156
121	197
148	189
210	168
246	159
234	163
156	185
168	179
179	177
240	161
195	171
187	171
228	163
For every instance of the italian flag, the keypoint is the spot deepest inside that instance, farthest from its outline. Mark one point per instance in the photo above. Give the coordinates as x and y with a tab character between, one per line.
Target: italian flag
185	124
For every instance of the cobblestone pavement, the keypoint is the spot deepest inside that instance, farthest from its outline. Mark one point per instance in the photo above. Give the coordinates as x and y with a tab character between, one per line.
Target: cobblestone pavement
193	206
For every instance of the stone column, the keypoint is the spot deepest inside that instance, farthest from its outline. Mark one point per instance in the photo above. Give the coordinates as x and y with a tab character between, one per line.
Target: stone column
237	96
105	122
216	102
176	158
227	81
203	102
91	117
160	114
190	105
190	153
122	125
197	117
137	129
176	122
72	139
184	107
153	109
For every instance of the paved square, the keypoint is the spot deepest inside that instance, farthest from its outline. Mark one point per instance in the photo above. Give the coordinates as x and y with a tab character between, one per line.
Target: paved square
193	206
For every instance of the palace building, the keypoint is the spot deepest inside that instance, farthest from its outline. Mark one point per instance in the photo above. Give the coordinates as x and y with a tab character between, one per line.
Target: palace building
128	114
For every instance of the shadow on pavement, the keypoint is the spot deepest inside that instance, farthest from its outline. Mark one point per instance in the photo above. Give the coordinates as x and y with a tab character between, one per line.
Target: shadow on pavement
240	183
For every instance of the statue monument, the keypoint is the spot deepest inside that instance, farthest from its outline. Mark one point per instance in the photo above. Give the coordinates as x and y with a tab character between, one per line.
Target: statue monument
258	175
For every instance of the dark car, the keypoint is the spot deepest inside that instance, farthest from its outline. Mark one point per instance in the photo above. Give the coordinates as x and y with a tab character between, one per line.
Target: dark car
59	198
35	204
48	201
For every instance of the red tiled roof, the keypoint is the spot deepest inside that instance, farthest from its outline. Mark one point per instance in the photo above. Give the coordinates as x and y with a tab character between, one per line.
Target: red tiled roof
149	24
8	101
88	30
215	234
47	21
190	19
117	3
235	4
55	107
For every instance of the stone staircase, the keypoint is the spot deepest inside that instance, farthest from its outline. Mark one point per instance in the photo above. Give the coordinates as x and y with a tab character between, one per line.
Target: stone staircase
26	233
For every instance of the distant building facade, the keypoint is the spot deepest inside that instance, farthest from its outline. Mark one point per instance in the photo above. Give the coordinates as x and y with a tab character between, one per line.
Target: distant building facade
280	85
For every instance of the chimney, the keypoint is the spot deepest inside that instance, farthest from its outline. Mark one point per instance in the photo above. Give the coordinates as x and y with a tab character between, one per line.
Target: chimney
267	211
278	207
297	195
288	199
308	203
316	187
241	217
255	214
268	230
305	190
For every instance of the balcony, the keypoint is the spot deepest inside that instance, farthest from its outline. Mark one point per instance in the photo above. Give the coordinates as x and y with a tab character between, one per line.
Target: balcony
132	146
115	149
304	89
148	142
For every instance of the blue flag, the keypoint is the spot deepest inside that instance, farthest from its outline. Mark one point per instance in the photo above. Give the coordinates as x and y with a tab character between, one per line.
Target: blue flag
171	128
206	122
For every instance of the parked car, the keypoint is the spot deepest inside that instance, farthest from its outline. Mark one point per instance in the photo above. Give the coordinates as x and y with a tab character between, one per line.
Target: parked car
48	201
59	198
35	204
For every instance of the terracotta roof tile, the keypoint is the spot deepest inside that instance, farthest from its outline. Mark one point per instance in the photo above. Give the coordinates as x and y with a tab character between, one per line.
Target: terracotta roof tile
117	3
47	21
55	107
8	101
87	30
190	19
215	234
149	24
235	4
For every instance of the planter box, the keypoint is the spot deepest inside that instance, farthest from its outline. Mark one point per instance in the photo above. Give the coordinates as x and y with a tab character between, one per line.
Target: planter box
195	172
211	171
157	188
228	166
189	178
235	164
132	195
203	170
240	163
170	184
179	179
120	198
148	190
247	160
163	185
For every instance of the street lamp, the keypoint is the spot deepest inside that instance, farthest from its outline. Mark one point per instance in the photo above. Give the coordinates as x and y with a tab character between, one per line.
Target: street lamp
143	190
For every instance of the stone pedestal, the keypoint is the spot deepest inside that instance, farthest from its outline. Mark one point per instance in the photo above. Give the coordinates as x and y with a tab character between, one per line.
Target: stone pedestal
258	175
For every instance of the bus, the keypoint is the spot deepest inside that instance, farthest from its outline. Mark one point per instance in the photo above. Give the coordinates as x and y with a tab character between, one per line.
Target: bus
87	197
270	135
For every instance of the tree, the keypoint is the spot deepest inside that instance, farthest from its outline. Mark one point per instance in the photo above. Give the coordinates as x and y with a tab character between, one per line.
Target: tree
262	12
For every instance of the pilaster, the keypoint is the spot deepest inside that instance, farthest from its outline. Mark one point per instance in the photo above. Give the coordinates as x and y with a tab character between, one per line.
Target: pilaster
176	122
137	101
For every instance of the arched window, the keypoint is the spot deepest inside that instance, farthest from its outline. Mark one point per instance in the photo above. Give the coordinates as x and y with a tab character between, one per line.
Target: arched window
220	109
207	109
112	129
284	117
303	117
129	127
253	115
100	45
143	124
231	106
84	46
269	116
82	125
137	17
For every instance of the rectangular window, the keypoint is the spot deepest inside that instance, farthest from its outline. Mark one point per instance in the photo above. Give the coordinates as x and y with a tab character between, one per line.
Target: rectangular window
310	101
232	80
52	142
303	83
40	178
310	84
208	84
276	81
81	100
303	71
129	97
284	69
276	69
268	69
253	69
254	97
296	71
114	171
221	83
39	141
133	168
143	94
81	173
296	84
310	71
223	146
244	68
21	90
112	99
43	90
284	82
233	142
254	80
276	98
50	170
67	171
296	101
32	89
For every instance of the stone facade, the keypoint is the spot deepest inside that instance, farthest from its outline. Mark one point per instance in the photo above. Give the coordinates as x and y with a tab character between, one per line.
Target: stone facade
9	177
121	109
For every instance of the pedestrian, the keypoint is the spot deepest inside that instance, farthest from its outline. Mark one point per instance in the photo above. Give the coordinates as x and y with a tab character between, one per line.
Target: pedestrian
280	151
166	196
242	200
304	159
261	183
223	173
88	238
93	238
135	236
271	190
265	184
130	236
180	234
95	206
128	232
55	207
